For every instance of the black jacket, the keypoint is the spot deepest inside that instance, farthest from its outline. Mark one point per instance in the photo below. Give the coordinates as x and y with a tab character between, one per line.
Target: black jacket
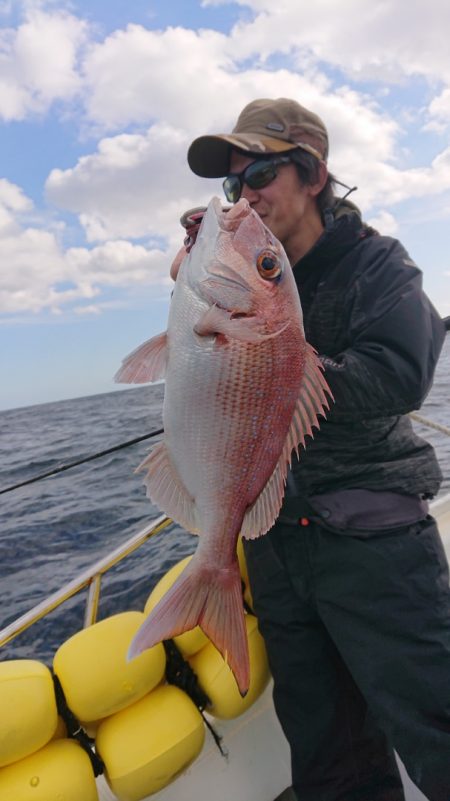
379	339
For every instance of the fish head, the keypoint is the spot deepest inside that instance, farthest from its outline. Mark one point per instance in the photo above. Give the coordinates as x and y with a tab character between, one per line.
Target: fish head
239	266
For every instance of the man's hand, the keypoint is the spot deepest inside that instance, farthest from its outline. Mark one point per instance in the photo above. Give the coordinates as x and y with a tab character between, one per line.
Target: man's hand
190	221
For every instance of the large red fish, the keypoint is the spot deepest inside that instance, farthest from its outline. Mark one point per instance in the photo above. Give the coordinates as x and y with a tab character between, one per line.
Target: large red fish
243	388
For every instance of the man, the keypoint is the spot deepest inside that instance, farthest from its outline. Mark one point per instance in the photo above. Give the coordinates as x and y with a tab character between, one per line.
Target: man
351	584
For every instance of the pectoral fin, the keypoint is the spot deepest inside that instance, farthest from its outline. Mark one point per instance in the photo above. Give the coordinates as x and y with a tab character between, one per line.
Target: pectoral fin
146	363
245	328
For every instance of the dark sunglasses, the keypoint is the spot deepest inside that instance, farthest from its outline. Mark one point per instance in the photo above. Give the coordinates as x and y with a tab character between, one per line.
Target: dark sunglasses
257	175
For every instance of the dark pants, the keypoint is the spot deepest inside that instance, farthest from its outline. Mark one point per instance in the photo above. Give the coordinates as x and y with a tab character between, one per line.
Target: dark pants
358	636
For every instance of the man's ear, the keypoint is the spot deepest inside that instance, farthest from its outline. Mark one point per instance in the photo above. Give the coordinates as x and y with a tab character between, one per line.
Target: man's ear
317	187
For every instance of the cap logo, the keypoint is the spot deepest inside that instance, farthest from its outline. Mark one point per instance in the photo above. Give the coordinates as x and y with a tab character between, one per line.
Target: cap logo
275	126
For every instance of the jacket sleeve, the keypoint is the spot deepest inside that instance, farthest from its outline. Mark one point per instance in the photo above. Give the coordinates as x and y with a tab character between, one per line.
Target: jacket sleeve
395	338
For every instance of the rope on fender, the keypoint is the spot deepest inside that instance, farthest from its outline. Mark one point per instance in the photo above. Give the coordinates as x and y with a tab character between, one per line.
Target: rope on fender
181	675
75	730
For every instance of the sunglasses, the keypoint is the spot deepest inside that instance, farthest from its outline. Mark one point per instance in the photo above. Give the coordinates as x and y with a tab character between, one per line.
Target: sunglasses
257	175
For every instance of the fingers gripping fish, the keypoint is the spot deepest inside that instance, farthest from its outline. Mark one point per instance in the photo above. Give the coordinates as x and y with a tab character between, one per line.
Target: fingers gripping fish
243	389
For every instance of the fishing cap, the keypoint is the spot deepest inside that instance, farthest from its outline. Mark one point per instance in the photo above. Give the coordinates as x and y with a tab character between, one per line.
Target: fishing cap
264	126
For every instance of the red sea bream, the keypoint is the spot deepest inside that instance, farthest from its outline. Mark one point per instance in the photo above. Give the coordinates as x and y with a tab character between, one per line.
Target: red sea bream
243	389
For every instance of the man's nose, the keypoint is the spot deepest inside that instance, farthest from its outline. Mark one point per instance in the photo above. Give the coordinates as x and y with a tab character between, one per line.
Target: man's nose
249	194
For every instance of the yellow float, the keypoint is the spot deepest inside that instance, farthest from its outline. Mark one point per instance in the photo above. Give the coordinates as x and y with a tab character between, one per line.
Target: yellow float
28	715
145	746
94	672
61	730
146	731
218	682
60	770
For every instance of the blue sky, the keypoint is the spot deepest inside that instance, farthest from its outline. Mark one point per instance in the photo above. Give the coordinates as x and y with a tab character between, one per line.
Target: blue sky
98	104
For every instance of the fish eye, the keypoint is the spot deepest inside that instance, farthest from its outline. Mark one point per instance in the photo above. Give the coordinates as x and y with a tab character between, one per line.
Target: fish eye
269	265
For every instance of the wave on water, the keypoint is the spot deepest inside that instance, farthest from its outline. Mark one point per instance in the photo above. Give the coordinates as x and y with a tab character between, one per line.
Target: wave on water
53	530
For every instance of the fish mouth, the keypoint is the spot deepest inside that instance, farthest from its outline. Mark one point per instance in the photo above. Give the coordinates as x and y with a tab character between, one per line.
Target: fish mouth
227	218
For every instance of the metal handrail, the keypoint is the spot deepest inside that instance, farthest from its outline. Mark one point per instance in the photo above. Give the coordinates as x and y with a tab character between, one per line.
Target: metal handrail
89	578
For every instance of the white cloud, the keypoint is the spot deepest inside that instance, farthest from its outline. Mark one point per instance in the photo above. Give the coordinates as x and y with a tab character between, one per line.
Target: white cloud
383	183
163	87
159	78
367	40
88	311
135	185
117	264
36	273
373	42
38	62
140	75
13	197
384	222
138	185
12	201
31	264
440	110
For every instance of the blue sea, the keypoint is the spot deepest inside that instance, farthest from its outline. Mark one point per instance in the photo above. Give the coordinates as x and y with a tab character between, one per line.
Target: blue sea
52	530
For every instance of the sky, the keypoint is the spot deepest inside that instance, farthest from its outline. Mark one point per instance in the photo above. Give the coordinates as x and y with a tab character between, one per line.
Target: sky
99	101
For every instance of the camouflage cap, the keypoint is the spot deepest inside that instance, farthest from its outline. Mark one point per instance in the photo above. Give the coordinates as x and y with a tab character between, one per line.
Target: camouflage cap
264	126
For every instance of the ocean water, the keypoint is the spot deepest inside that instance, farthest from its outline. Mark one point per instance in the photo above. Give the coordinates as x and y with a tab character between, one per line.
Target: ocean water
52	530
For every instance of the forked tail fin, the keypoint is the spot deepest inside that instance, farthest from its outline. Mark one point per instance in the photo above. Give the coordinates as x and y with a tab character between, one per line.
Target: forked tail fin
207	597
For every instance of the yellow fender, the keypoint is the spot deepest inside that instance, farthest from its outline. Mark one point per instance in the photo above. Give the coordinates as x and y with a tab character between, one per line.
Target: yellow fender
28	714
60	770
94	672
218	682
145	746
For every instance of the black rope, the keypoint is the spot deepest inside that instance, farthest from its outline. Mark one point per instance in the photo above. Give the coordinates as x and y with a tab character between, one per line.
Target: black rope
75	730
180	673
91	458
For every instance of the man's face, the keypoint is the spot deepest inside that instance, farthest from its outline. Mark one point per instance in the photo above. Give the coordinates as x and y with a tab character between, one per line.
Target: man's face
285	205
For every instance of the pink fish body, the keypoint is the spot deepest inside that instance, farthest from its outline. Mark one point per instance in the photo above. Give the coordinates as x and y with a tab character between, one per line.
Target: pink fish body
243	388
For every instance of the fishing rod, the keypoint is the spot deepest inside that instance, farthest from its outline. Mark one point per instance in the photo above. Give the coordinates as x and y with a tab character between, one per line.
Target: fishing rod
62	468
69	465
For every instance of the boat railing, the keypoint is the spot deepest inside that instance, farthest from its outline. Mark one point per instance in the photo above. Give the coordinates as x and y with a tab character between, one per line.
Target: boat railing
430	423
90	579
